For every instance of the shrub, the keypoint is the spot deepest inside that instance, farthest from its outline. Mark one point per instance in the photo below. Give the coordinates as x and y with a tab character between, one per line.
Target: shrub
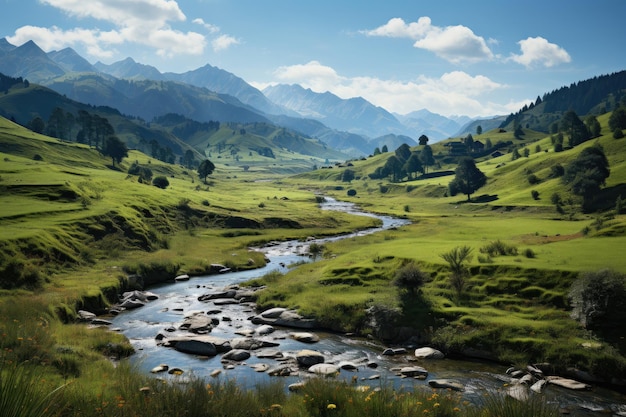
529	253
499	248
37	157
557	171
409	277
618	134
351	192
160	182
533	179
535	194
598	299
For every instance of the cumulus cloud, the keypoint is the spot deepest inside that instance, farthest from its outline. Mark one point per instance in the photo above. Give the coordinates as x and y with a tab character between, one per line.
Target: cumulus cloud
209	27
313	75
144	22
456	44
453	93
538	51
223	42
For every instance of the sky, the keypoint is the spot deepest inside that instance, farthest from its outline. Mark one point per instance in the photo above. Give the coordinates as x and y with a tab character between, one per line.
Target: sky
451	57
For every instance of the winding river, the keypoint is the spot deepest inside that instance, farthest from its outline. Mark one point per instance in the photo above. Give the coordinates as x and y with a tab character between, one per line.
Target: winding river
176	300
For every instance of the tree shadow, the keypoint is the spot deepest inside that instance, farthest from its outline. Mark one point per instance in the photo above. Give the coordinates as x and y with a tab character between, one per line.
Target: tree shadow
485	198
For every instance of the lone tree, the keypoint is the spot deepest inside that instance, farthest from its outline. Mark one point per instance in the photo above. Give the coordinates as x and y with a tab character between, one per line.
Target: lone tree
347	175
206	168
115	148
457	259
427	158
423	140
468	178
587	174
575	128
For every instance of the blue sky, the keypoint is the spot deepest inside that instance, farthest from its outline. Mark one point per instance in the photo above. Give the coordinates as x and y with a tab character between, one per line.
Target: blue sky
457	57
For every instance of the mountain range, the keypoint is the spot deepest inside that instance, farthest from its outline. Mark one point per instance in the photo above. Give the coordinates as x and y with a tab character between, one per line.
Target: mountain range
354	126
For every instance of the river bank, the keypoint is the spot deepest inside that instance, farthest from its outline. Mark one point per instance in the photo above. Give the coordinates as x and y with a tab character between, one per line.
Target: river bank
232	320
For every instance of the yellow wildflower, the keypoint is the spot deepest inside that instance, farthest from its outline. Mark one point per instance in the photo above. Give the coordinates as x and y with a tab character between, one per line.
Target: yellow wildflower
331	406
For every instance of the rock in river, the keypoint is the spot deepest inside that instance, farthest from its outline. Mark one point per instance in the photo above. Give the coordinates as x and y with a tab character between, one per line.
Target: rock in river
428	353
309	358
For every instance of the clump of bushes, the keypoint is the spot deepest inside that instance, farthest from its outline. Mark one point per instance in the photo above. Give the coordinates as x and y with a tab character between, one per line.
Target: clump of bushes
160	182
499	248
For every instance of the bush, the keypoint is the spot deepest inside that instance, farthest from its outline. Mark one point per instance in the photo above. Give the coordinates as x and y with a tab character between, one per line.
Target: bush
618	134
557	171
598	298
529	253
351	192
499	248
533	179
160	182
409	277
535	194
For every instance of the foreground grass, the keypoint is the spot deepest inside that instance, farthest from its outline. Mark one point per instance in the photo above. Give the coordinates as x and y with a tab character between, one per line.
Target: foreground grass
124	392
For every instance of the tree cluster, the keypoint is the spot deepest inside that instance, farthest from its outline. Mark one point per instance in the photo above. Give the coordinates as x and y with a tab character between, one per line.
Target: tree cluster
405	163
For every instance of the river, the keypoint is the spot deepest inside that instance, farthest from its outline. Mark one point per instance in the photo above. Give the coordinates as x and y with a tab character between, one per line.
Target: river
176	300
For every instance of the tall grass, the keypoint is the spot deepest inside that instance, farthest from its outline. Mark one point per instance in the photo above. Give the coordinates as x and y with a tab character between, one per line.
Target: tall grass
24	394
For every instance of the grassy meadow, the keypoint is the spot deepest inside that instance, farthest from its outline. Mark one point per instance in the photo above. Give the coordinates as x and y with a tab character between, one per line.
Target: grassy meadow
73	227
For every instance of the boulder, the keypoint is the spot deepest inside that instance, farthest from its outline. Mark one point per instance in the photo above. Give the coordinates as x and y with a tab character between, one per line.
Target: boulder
309	358
305	337
160	368
264	329
197	323
260	367
347	366
131	304
282	317
221	345
413	371
538	386
236	355
324	369
181	278
86	315
282	370
270	354
218	295
567	383
428	353
196	347
249	343
101	322
518	391
446	384
273	313
297	386
394	351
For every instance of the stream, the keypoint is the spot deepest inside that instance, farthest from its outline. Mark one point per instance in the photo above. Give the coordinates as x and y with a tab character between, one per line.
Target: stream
177	300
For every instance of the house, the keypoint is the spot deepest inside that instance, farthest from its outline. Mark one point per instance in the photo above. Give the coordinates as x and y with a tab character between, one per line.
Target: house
456	148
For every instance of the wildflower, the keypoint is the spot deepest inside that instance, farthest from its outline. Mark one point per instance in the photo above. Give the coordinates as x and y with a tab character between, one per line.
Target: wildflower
275	407
456	409
436	405
331	406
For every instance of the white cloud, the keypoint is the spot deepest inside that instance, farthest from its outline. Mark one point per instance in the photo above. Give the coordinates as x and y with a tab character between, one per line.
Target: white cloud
541	52
456	44
143	22
209	27
313	75
454	93
223	42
